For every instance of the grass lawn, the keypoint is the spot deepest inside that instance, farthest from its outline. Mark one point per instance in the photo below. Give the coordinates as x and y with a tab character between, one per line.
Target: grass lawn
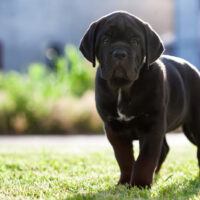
60	172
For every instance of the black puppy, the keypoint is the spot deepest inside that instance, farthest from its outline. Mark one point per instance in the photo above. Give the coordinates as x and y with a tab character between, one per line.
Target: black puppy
140	94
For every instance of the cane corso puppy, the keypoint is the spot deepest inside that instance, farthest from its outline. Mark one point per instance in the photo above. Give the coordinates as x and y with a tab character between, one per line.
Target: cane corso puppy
140	95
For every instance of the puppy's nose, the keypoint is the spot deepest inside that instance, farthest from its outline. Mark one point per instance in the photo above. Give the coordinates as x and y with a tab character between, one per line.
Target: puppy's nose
119	53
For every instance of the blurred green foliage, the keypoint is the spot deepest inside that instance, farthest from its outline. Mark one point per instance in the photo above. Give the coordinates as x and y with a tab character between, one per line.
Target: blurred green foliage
29	94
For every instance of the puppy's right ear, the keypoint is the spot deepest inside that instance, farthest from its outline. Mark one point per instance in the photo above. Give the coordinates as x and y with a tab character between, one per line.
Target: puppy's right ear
87	45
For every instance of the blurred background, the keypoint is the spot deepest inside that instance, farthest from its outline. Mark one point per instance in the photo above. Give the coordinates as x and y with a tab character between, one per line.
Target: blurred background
46	86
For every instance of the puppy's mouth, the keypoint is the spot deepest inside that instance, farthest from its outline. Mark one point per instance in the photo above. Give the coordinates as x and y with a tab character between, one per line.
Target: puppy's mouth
119	82
120	78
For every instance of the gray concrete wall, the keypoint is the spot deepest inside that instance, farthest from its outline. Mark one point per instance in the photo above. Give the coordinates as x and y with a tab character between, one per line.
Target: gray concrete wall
27	26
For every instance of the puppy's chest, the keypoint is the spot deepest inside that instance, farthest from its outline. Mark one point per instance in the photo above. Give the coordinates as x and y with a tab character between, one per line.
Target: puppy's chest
126	109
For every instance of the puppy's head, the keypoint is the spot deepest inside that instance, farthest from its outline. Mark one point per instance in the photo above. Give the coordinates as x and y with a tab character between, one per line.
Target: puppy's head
123	44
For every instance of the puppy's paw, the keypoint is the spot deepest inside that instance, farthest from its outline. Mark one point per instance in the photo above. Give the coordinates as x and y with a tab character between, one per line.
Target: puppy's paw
142	185
123	181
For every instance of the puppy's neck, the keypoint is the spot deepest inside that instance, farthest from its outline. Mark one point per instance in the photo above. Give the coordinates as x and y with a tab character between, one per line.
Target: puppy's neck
121	116
119	96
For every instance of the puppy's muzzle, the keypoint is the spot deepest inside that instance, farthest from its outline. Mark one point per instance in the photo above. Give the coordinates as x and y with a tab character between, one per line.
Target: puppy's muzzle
119	73
119	59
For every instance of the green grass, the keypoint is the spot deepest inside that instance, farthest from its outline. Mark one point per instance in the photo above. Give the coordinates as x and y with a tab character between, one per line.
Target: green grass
60	172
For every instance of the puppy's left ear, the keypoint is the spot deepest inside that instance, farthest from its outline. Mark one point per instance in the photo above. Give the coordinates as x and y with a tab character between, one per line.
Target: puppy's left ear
87	45
154	46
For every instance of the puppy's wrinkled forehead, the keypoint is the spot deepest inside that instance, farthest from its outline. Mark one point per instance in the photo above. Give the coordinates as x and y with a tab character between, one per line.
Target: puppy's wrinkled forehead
118	20
122	23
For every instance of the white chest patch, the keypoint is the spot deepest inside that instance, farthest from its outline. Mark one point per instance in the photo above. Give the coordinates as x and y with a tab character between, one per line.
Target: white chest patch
121	116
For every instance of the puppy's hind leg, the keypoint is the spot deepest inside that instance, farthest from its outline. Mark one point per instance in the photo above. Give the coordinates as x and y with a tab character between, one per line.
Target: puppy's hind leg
163	155
192	131
188	133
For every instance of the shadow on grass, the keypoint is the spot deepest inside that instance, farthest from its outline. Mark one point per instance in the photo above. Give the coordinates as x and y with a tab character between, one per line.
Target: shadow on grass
182	190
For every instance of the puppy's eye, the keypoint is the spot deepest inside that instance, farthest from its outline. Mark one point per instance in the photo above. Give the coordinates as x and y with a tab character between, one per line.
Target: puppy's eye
134	41
106	40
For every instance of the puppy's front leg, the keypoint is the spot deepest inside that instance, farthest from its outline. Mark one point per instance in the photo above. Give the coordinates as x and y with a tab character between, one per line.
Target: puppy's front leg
144	167
123	150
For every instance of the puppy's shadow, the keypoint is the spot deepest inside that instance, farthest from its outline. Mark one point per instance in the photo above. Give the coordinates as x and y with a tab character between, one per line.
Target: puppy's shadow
183	190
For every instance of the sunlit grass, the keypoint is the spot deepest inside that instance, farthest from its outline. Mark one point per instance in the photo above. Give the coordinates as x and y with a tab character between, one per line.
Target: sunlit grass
89	173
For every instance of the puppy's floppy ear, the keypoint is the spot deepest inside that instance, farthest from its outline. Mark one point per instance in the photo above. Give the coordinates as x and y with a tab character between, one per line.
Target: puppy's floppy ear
153	45
87	45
